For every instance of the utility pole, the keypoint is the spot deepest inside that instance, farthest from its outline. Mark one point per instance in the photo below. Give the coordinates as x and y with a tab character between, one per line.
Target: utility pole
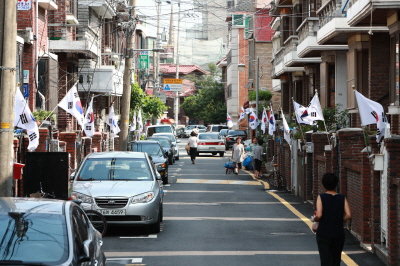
257	85
8	51
128	78
156	58
177	67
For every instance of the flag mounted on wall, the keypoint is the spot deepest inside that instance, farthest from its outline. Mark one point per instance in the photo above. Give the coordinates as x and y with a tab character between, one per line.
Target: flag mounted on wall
371	113
229	121
71	103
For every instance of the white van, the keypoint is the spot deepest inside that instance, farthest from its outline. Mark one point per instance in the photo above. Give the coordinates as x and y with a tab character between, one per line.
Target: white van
159	129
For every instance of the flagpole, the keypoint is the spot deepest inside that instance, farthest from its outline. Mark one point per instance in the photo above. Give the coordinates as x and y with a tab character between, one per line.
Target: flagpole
326	129
362	127
301	130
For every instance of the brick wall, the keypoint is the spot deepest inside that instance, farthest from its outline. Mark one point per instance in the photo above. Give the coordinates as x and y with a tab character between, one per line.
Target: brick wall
70	138
393	148
320	139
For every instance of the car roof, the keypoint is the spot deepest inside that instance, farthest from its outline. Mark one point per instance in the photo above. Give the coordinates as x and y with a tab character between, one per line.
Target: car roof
116	154
146	141
162	133
208	133
32	205
158	137
160	126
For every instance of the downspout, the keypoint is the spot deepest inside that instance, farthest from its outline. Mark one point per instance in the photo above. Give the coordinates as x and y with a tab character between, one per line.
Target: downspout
36	51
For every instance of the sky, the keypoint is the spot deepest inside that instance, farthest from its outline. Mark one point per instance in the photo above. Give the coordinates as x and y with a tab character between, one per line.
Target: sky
187	15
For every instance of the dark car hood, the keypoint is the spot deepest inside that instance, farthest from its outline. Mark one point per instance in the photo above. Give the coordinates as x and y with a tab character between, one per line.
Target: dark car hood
159	159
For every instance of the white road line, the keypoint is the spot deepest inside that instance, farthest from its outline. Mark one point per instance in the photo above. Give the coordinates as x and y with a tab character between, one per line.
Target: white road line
212	253
196	191
223	203
149	236
132	260
231	219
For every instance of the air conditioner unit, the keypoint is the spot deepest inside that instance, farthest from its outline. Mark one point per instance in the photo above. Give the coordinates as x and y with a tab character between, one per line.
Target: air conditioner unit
27	35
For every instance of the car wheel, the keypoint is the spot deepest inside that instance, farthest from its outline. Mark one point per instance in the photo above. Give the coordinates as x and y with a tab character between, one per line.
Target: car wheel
221	154
156	227
226	147
177	158
214	153
171	160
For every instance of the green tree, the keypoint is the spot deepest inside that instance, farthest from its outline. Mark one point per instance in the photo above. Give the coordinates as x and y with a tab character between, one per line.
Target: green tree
208	103
150	105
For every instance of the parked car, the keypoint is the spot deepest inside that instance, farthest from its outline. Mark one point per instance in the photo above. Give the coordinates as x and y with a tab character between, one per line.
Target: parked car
180	131
210	143
231	136
216	128
157	153
123	186
39	231
167	145
223	132
150	130
174	142
190	128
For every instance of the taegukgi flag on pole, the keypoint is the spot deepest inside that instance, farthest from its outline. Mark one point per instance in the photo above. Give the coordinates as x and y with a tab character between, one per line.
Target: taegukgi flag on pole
23	118
133	125
113	123
314	111
242	114
229	121
272	123
71	103
89	120
300	111
264	121
286	129
371	113
140	121
253	120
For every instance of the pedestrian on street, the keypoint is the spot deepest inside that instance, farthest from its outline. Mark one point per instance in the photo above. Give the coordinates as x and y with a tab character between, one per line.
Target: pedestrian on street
251	148
332	211
193	141
196	130
238	154
258	152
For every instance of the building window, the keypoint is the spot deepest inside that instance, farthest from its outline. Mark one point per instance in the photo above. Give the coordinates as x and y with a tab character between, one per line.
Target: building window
229	92
42	80
395	73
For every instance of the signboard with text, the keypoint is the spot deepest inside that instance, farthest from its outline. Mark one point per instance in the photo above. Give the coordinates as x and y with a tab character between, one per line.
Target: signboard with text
24	5
172	84
144	60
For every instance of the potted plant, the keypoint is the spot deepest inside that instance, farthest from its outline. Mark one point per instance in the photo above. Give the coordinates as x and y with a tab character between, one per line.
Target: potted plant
43	115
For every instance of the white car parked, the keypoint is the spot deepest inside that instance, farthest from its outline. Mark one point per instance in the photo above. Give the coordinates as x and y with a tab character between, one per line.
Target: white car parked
210	143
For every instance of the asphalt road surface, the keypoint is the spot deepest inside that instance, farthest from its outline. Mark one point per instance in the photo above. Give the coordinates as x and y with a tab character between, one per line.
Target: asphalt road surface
213	218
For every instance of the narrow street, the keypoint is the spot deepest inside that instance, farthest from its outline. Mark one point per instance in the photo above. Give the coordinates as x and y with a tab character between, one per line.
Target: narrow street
211	218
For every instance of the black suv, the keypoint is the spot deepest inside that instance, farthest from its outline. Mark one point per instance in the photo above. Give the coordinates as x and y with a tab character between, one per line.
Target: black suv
231	136
154	149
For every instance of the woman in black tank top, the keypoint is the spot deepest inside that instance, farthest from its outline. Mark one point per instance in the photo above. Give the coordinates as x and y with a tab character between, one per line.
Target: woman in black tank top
332	211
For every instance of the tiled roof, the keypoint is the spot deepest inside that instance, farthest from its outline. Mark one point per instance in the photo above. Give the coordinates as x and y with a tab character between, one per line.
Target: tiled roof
183	69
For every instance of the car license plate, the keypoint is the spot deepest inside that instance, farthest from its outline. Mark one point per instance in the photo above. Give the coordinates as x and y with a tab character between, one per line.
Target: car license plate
112	212
212	149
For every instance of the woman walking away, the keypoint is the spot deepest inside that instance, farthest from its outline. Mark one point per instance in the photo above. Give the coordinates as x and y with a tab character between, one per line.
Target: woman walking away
258	152
193	140
332	211
237	154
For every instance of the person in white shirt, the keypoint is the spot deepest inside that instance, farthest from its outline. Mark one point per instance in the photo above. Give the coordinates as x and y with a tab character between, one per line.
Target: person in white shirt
196	130
193	141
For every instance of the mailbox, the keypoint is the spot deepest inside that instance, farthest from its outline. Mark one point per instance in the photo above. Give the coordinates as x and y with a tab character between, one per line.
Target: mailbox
18	170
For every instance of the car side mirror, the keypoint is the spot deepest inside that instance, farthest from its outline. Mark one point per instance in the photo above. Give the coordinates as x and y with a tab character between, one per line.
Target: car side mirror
178	141
72	176
158	176
88	251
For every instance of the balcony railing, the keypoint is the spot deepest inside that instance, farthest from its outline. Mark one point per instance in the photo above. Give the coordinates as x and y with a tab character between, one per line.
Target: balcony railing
332	9
308	28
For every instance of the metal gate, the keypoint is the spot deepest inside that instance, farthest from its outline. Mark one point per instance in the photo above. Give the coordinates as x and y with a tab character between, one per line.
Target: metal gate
50	169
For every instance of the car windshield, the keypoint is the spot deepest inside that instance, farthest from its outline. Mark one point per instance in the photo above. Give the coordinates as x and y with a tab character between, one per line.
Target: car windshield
152	149
33	238
237	132
153	130
163	142
171	137
115	169
223	131
208	136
